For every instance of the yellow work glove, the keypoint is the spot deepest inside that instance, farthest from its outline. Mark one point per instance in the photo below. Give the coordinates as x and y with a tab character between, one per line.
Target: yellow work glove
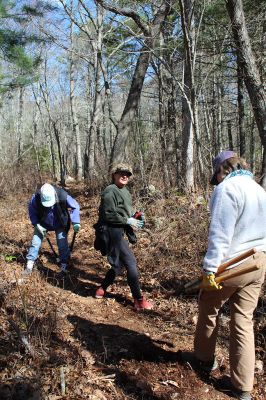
208	282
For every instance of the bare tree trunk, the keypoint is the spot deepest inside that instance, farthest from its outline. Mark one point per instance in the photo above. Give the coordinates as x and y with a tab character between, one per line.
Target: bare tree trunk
20	124
207	123
163	119
219	114
52	151
96	112
127	118
251	73
44	91
47	131
73	109
214	117
140	144
150	32
187	16
230	137
252	147
241	110
53	127
34	137
61	157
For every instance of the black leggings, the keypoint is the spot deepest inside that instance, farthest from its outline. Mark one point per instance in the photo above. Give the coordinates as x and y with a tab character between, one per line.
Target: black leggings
120	255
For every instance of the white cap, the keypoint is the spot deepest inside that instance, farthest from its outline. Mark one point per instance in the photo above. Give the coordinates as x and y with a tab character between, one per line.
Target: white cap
47	195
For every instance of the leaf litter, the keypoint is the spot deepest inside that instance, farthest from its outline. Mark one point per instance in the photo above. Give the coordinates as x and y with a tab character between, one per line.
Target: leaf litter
84	348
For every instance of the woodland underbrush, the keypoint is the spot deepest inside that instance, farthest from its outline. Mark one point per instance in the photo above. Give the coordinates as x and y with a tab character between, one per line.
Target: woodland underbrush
58	343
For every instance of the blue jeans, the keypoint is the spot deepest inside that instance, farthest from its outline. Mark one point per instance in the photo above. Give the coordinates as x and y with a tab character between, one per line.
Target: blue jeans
62	244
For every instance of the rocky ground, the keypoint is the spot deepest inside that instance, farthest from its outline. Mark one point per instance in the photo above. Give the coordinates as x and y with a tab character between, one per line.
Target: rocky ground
58	342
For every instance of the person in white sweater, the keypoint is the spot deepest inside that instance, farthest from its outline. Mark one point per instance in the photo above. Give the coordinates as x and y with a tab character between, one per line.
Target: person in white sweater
238	223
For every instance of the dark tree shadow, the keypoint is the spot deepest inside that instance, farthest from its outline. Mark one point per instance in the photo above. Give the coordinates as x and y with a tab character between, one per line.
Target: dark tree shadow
71	281
112	344
18	390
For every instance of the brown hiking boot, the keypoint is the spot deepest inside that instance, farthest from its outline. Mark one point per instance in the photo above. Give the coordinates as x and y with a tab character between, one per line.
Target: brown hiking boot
142	304
100	292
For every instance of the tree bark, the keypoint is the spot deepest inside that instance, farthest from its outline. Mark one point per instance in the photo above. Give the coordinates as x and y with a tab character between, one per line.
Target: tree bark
214	116
97	103
91	141
132	102
150	33
73	108
230	137
34	136
252	146
251	73
188	100
61	157
241	110
20	124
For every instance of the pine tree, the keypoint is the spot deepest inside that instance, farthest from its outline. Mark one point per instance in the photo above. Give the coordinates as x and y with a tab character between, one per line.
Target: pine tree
14	41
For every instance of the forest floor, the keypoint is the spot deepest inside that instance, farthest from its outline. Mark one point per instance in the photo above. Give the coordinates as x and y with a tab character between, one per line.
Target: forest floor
54	331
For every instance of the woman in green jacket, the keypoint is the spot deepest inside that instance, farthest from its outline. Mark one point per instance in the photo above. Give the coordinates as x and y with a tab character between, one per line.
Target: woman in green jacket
115	213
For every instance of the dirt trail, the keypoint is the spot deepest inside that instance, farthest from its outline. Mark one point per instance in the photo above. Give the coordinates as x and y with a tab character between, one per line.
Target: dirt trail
102	348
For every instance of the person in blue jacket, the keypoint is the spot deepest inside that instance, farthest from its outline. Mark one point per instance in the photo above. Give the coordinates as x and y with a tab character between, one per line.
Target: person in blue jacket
52	209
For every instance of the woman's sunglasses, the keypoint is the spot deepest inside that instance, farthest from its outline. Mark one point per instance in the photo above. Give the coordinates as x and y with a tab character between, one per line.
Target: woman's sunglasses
123	173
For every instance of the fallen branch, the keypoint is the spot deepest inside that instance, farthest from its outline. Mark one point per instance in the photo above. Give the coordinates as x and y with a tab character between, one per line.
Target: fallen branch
22	337
62	380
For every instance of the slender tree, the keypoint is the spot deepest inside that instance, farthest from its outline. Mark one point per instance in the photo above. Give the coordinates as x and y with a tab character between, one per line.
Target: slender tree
252	79
150	34
73	103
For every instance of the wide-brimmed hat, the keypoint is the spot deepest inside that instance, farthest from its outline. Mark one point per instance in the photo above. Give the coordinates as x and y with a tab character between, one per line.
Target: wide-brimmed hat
121	168
48	198
217	162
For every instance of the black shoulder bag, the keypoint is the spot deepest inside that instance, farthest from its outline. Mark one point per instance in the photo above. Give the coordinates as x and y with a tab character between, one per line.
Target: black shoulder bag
102	238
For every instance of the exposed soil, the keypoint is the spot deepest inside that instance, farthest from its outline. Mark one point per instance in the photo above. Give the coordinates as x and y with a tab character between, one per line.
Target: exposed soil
103	349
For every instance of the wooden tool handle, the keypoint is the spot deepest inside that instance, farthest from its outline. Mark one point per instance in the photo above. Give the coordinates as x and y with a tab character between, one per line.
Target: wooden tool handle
223	266
232	274
235	260
252	264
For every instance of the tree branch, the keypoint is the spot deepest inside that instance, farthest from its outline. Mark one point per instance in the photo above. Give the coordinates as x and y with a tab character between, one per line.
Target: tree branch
127	12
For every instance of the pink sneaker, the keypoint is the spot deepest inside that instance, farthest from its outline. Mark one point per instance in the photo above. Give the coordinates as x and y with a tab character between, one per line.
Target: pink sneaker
100	292
142	304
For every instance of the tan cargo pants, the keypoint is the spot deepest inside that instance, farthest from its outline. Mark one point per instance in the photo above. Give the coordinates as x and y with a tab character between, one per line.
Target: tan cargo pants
242	293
